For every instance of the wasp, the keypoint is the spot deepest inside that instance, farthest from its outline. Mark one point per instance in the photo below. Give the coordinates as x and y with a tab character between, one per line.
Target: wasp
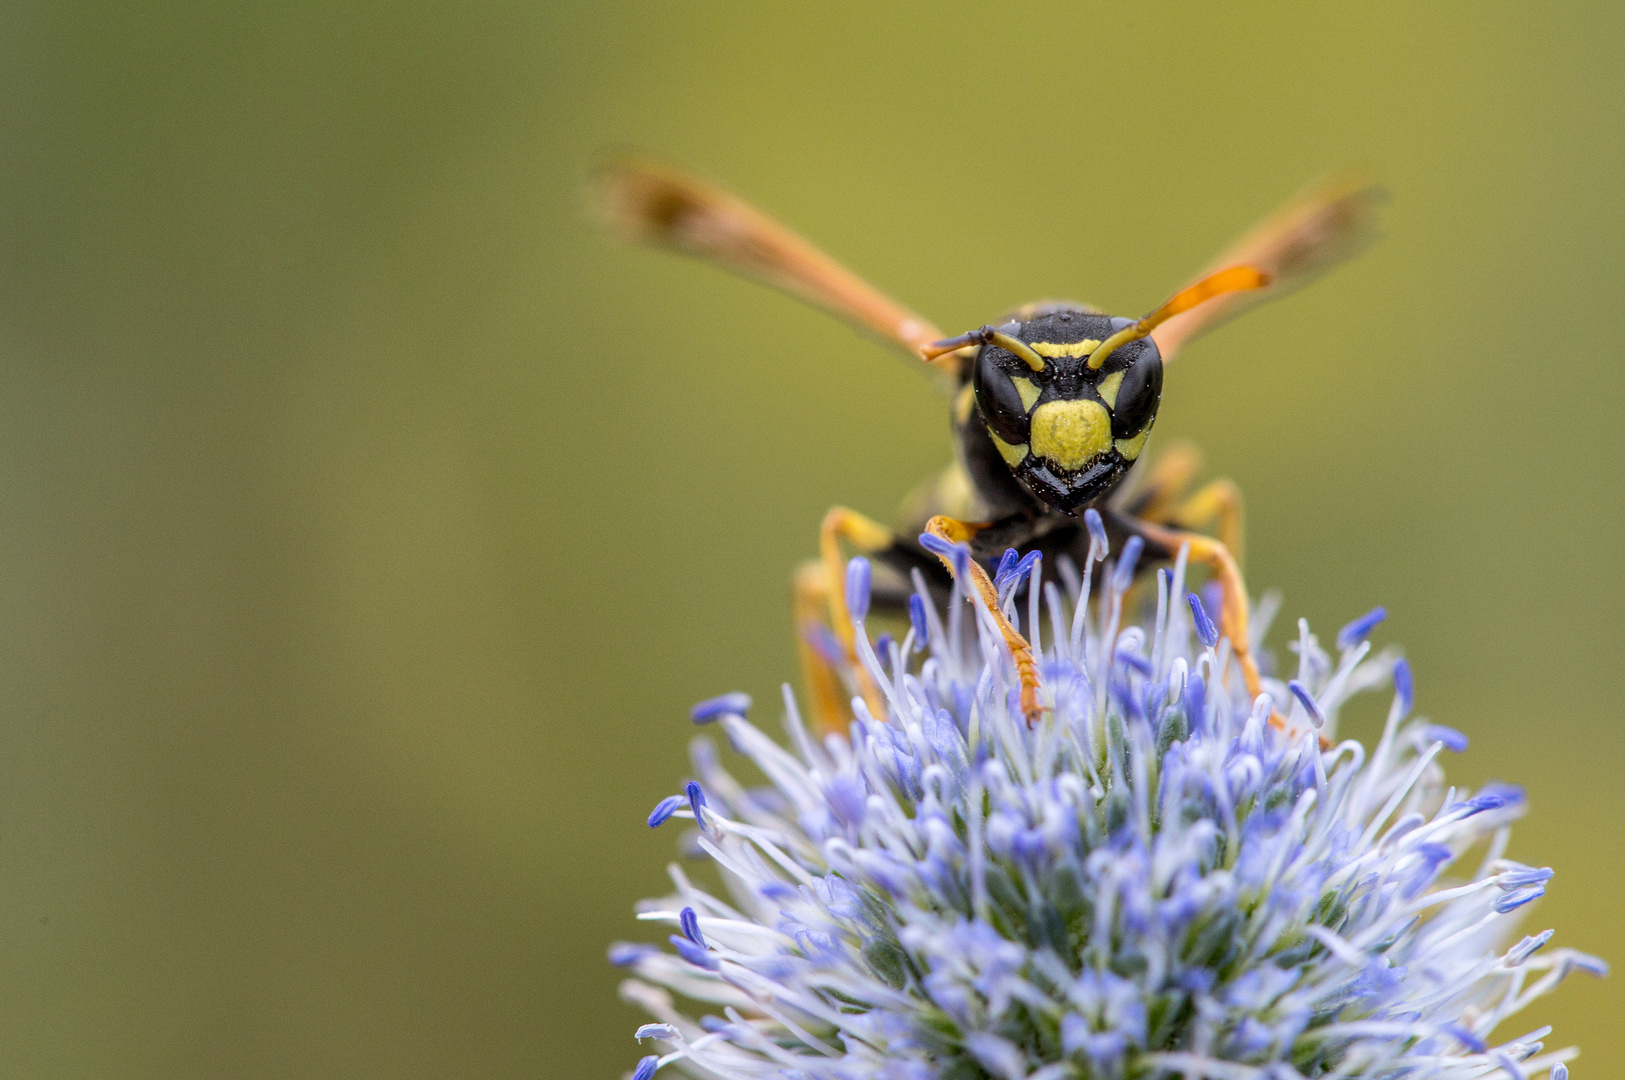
1051	408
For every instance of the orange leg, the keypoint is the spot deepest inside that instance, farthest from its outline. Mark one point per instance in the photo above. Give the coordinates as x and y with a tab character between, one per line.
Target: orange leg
865	534
1165	481
1219	501
820	590
961	532
828	692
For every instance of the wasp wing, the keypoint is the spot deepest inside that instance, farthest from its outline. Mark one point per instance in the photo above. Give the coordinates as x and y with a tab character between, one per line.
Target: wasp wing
1327	223
654	202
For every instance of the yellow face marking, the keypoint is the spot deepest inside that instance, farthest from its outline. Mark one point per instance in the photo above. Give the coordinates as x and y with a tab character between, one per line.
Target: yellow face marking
1013	455
1130	448
1108	389
963	403
1071	433
1028	390
1055	351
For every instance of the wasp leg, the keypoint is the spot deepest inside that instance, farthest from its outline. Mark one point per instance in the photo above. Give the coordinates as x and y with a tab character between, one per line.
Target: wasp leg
962	532
1161	498
1165	482
821	585
866	535
819	671
1219	501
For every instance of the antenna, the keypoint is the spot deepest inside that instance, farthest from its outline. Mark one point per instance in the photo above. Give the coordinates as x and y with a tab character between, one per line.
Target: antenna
1230	279
984	336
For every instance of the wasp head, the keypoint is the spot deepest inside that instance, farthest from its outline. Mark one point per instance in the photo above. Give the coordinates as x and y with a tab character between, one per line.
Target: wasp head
1067	431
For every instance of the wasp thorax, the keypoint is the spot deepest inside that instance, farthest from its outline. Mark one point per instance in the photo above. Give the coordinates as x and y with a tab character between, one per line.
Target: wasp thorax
1067	432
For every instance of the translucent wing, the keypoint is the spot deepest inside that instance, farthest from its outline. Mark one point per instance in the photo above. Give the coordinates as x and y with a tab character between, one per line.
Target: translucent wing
1329	222
657	203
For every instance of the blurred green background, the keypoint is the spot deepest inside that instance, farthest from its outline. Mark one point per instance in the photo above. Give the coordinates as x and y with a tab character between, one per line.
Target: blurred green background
368	523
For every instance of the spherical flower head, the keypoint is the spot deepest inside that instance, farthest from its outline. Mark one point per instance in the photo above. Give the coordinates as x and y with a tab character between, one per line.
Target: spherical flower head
1163	878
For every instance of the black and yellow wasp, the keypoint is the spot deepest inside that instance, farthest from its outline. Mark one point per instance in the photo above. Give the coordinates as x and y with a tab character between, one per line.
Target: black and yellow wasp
1051	409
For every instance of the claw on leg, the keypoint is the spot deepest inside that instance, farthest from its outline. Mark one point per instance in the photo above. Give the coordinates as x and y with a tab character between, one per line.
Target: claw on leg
961	532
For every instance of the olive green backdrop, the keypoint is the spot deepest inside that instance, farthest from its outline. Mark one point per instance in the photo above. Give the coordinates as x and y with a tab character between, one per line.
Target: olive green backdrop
367	524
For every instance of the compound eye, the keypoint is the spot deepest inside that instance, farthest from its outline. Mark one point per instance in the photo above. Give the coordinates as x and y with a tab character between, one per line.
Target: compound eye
997	397
1140	391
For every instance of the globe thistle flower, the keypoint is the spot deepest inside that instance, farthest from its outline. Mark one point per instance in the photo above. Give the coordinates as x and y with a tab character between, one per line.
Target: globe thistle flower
1153	882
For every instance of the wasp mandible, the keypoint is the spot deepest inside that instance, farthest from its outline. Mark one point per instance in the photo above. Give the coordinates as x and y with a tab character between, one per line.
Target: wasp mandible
1052	405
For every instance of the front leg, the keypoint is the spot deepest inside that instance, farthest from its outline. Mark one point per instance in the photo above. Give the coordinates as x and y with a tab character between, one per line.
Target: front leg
963	532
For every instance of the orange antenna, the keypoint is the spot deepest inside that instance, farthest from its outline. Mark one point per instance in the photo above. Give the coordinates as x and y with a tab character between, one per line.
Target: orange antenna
1230	279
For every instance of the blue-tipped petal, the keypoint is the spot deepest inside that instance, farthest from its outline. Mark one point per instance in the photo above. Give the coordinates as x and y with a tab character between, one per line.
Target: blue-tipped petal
1206	632
1526	948
735	704
1195	699
1097	531
1301	692
1007	563
696	802
646	1067
824	643
690	924
857	588
1509	1067
1489	800
1517	898
698	955
916	619
1453	740
1123	575
664	809
1529	875
1360	629
958	554
1404	688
